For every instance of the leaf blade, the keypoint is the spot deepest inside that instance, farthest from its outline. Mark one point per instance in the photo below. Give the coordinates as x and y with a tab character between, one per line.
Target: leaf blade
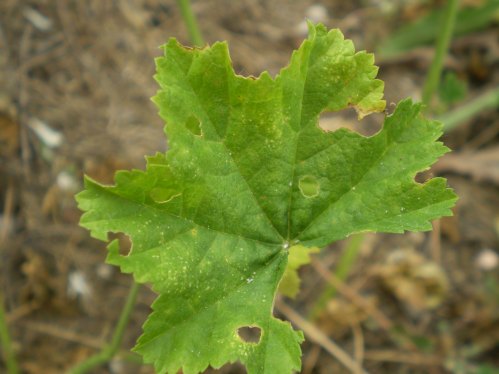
249	174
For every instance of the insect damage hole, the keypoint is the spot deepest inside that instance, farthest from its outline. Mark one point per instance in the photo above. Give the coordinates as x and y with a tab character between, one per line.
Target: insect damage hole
351	119
124	242
309	186
194	125
250	334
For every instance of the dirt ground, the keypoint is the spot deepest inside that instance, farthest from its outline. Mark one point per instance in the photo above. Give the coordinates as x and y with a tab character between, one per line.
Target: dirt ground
76	79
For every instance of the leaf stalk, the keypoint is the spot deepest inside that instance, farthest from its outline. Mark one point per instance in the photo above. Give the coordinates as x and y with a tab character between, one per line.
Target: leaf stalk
443	41
454	118
110	350
191	23
345	265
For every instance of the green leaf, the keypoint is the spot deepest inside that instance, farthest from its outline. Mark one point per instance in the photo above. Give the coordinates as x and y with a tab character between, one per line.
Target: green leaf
249	174
452	89
297	257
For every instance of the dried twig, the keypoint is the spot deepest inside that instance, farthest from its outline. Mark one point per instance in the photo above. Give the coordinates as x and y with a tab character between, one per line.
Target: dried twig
403	357
65	334
490	132
23	99
317	336
435	242
348	292
7	212
22	311
310	360
358	339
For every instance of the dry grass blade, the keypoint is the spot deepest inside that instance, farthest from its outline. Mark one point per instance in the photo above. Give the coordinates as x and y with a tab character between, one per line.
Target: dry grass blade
358	339
65	334
7	212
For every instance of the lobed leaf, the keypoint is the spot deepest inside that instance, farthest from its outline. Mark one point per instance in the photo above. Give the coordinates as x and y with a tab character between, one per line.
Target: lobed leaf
248	175
298	256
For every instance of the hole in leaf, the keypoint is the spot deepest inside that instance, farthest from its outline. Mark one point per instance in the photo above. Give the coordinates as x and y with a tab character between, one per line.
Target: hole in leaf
162	195
194	125
250	334
124	242
309	186
348	119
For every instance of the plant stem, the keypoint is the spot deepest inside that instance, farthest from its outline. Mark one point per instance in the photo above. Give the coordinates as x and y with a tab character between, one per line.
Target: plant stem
464	112
132	357
190	22
110	350
6	342
444	37
347	260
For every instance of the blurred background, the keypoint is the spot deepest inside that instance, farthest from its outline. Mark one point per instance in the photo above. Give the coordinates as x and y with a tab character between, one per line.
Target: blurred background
75	88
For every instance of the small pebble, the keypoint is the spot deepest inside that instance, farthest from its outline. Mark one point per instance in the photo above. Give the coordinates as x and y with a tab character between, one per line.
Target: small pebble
316	13
37	19
487	259
105	271
77	285
66	182
50	137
